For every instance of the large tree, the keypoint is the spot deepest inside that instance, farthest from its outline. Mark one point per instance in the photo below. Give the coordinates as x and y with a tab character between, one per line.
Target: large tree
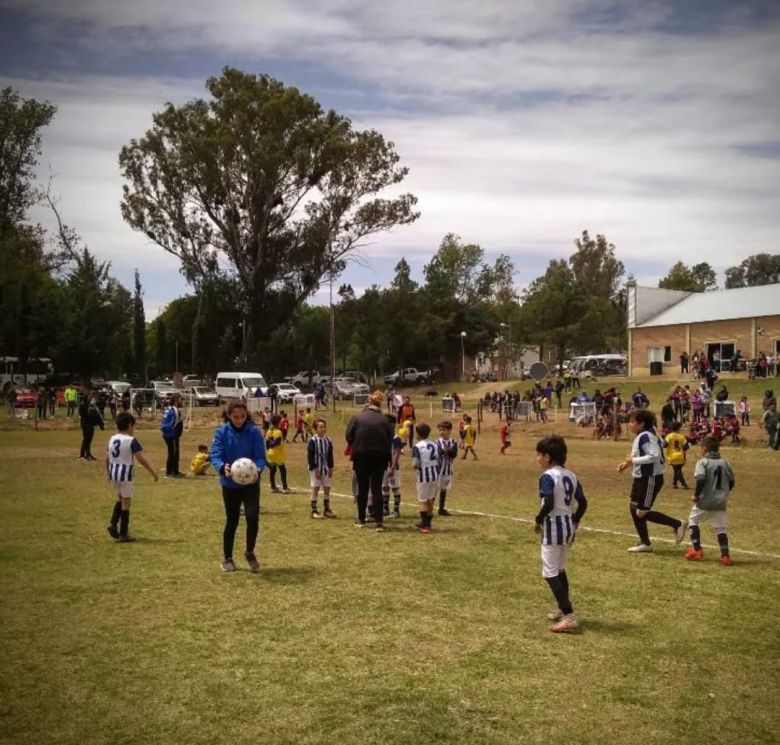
696	278
260	185
759	269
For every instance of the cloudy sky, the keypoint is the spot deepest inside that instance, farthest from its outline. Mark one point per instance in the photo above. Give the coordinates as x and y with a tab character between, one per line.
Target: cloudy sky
654	122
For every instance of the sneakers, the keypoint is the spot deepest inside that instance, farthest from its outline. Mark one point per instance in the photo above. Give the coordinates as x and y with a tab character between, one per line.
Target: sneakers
444	512
126	538
287	490
380	528
329	513
425	531
251	559
679	533
694	554
228	565
641	548
113	532
726	561
557	615
567	625
359	524
316	515
394	515
276	490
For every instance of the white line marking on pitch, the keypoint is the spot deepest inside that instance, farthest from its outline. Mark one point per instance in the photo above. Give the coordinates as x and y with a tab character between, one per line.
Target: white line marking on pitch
586	528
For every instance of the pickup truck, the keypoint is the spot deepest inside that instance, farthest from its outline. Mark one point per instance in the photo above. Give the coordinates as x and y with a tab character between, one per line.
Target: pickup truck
406	376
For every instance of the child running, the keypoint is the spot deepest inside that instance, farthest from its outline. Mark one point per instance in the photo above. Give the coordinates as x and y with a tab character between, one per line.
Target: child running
448	452
469	438
506	433
677	445
558	526
122	448
714	482
320	458
425	459
646	460
200	463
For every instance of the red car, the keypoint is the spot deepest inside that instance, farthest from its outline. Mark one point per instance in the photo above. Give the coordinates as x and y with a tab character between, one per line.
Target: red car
25	399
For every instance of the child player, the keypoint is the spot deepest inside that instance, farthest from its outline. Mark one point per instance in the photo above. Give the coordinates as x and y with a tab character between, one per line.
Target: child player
320	458
276	454
200	463
714	482
505	436
469	438
448	452
122	448
425	459
646	460
677	444
392	476
558	526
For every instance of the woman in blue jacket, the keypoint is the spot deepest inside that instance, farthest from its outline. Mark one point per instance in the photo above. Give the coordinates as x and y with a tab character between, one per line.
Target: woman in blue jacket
171	426
238	438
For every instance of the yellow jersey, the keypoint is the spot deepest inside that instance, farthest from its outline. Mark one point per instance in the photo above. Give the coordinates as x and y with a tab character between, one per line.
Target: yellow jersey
200	463
469	435
276	452
676	445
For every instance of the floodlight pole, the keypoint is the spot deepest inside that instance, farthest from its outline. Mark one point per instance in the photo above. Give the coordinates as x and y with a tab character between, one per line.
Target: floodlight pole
463	355
332	340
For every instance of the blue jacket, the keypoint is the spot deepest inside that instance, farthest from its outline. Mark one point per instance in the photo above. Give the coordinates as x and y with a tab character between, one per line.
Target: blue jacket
230	444
171	418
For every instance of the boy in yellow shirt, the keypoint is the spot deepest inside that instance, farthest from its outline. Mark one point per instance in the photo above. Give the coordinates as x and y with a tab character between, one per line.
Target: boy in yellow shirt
469	438
276	454
200	463
676	445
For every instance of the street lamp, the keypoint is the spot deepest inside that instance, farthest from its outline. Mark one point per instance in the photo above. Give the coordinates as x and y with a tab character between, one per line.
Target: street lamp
463	355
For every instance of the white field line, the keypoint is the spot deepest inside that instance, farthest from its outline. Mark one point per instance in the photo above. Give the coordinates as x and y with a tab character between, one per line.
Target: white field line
585	528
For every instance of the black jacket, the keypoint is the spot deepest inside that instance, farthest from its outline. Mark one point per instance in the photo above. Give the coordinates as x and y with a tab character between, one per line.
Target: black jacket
370	433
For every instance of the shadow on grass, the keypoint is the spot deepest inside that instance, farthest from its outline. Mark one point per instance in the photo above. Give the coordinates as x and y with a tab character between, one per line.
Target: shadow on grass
284	574
601	626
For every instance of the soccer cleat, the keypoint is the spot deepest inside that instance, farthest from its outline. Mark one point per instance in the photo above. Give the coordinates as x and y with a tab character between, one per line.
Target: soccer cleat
329	513
251	559
394	515
380	528
276	489
359	524
726	561
126	538
228	565
113	532
567	625
679	533
425	531
641	548
286	490
316	515
444	512
694	554
556	615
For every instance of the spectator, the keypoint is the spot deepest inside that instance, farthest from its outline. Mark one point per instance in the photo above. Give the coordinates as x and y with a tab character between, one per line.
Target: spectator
10	400
684	363
90	417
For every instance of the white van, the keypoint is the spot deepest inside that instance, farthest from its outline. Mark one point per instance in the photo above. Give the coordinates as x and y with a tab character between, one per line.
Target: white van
239	384
590	365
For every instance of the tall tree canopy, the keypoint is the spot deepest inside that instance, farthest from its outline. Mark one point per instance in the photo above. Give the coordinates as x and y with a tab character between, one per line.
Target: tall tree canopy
261	185
759	269
697	278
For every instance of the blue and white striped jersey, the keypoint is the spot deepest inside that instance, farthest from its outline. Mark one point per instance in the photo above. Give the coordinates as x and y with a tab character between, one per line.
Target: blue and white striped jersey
121	449
558	486
647	455
448	451
425	457
320	454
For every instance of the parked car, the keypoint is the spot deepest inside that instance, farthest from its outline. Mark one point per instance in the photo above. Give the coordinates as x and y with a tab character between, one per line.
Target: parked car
119	386
163	390
26	398
409	375
355	375
190	381
284	392
202	395
305	378
343	388
231	385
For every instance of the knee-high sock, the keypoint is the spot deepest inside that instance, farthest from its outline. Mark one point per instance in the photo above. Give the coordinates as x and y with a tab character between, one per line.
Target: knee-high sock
696	537
561	594
641	527
124	522
662	519
116	513
723	542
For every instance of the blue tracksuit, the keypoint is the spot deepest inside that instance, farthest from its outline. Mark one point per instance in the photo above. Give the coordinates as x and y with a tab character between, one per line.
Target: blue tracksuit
230	444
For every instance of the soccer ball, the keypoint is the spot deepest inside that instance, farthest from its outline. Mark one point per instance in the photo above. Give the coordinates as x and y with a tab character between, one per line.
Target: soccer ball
243	471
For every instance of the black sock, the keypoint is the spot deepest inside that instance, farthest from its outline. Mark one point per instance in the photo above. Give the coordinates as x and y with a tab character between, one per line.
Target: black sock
313	505
723	542
429	518
326	505
124	522
561	594
423	519
565	580
397	501
662	519
696	537
641	527
442	498
115	514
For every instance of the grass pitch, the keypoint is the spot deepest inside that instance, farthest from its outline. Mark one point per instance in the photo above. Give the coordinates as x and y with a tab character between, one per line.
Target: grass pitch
348	636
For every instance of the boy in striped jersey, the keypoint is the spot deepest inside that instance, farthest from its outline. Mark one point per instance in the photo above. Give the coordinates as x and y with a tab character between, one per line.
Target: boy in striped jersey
448	452
646	460
714	482
392	477
557	525
122	449
320	459
425	459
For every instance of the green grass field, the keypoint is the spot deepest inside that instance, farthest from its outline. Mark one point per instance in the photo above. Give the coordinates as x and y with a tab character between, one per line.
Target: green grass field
350	636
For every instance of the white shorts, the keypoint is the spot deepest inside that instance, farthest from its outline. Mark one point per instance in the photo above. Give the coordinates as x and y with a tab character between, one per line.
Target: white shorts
323	480
426	490
123	489
391	479
720	518
554	559
445	481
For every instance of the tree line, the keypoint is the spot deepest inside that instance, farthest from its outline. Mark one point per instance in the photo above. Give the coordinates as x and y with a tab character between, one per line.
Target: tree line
264	197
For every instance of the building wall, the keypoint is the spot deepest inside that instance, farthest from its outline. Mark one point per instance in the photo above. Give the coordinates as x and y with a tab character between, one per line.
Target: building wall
693	337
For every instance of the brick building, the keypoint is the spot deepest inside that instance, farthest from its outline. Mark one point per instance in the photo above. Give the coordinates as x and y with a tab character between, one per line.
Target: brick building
664	323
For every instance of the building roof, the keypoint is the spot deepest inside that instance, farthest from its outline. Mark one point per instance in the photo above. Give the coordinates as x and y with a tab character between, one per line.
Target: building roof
720	305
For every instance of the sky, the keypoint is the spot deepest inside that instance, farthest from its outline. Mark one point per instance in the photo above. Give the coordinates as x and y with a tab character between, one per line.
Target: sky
654	123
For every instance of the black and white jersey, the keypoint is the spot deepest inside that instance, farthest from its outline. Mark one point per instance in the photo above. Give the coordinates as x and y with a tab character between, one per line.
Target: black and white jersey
559	486
425	457
448	451
121	449
647	455
320	454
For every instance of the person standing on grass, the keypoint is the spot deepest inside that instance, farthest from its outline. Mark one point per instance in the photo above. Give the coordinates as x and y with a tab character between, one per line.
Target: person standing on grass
122	448
276	452
557	525
448	452
171	426
677	444
646	460
771	422
319	456
469	438
238	438
392	477
714	482
370	434
90	417
425	460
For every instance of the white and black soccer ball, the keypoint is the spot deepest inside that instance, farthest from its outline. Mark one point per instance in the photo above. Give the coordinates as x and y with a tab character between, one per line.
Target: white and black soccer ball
243	471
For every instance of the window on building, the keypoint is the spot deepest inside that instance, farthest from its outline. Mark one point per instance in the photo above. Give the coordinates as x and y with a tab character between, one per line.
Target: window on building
667	354
719	354
656	354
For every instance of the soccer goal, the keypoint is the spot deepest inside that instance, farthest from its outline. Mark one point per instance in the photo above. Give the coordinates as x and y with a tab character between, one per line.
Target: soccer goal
583	413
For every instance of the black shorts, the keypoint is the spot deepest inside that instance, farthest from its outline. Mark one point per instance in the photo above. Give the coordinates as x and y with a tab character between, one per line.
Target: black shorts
645	490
